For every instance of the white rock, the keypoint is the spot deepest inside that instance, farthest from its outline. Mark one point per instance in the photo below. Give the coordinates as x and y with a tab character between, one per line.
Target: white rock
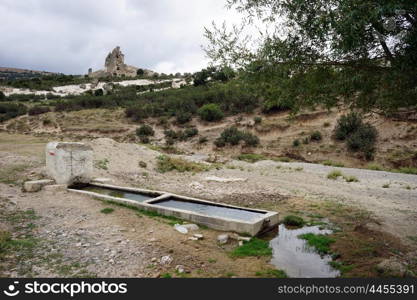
198	236
180	269
190	226
181	228
166	260
153	259
192	238
222	239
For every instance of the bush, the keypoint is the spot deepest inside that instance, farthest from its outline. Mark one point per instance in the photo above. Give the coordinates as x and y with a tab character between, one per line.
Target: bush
190	132
202	140
358	135
98	92
145	131
233	136
11	110
257	120
347	125
183	117
296	143
210	112
37	110
2	96
292	220
316	136
363	140
167	164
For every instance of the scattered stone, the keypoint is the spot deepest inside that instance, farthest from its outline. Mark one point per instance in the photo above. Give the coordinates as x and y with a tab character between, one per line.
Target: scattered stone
180	269
153	259
166	260
222	239
36	185
192	238
240	243
198	236
181	229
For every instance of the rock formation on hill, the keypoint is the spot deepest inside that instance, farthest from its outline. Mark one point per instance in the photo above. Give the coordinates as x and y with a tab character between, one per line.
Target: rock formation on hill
115	66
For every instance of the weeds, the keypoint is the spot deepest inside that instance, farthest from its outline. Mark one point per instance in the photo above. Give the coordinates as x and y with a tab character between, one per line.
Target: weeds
292	220
255	247
107	210
334	174
320	242
167	164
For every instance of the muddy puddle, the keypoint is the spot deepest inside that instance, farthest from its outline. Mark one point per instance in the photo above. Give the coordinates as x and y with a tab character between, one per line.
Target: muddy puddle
296	258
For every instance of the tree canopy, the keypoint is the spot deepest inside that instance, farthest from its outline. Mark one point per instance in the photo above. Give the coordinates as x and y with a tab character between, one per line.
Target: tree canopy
312	52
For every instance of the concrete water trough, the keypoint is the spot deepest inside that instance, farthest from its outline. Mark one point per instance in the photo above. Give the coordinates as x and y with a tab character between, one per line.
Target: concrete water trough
218	216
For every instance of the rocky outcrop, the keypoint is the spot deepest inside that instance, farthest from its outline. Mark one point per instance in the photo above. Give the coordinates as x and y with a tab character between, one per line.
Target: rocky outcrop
115	66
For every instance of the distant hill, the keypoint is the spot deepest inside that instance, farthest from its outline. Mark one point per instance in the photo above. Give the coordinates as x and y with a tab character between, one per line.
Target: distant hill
15	73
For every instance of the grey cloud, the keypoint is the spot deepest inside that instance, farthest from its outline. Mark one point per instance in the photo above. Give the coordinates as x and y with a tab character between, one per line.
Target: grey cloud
71	36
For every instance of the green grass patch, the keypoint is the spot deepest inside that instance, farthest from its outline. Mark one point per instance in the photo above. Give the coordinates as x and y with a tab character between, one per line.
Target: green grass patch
341	267
320	242
166	164
255	247
101	164
385	186
351	179
292	220
332	163
271	274
406	170
252	158
107	210
334	174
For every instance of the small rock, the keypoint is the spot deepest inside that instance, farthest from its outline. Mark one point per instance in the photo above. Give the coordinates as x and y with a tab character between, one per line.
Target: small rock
180	269
181	229
78	244
192	238
222	239
153	259
198	236
166	260
240	243
392	267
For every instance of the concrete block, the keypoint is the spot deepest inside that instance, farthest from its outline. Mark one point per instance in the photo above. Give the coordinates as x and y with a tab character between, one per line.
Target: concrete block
69	162
36	185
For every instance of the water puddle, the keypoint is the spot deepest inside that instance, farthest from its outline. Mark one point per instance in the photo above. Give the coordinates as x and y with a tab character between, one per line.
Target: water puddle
118	193
211	210
296	258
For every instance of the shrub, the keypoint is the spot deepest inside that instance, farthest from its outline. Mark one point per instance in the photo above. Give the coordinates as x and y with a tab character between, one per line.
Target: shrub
359	136
257	120
210	112
296	143
190	132
363	140
11	110
145	130
37	110
144	139
334	174
316	136
2	96
292	220
183	117
99	92
166	164
347	125
251	157
233	136
143	164
202	140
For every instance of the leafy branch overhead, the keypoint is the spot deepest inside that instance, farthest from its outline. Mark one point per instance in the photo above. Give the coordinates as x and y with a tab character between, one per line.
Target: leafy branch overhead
320	52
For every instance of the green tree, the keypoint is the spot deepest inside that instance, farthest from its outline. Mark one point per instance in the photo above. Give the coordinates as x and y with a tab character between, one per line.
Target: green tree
322	51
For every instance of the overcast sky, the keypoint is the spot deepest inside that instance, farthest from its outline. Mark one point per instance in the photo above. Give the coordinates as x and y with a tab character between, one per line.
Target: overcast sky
69	36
